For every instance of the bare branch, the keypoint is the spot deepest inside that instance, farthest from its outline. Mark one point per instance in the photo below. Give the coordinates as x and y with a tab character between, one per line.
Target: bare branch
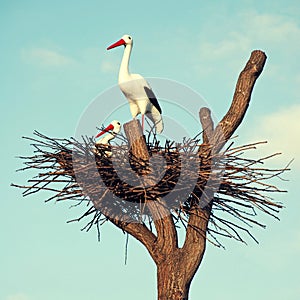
207	124
241	99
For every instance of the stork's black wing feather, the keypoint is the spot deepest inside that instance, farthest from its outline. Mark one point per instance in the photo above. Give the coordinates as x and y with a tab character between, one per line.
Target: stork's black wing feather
152	98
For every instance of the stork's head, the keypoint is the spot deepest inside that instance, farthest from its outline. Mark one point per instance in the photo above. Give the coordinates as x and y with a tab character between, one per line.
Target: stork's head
125	40
117	126
114	126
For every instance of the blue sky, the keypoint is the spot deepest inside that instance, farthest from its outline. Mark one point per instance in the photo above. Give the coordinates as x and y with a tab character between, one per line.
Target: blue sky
54	63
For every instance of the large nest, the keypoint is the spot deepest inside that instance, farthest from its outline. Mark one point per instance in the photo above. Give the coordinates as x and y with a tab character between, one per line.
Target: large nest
236	187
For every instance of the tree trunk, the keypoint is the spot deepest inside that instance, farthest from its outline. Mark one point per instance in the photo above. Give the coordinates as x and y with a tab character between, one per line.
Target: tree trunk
174	276
172	283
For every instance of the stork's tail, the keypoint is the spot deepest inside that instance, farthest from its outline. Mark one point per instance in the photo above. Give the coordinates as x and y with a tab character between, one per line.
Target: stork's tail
159	126
157	120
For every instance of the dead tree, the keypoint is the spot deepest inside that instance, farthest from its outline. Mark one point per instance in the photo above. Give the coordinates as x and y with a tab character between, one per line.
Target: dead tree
224	184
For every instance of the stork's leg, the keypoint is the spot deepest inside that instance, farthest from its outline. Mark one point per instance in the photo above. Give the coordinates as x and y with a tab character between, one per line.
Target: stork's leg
143	121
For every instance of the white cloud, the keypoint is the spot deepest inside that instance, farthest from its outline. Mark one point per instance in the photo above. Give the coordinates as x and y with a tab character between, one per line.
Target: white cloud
46	57
253	30
268	27
234	42
282	130
19	296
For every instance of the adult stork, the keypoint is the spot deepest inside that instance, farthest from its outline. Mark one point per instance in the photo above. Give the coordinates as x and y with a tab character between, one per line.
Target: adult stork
136	89
112	130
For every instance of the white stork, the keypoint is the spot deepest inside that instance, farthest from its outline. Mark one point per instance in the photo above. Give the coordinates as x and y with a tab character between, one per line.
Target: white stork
112	130
136	89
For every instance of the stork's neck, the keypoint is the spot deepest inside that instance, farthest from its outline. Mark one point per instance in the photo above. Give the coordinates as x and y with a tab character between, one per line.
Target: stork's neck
124	70
105	140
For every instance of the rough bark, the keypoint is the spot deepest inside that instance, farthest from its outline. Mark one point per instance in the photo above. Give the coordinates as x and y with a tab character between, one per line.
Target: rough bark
176	266
133	132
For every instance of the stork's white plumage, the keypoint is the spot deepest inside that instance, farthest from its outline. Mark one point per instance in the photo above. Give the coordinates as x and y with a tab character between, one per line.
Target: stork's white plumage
111	131
136	89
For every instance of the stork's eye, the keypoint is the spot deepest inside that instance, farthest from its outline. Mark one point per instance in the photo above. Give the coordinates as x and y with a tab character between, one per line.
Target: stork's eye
129	37
119	123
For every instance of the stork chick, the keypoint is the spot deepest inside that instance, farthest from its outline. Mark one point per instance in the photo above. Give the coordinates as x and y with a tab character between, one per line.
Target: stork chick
111	131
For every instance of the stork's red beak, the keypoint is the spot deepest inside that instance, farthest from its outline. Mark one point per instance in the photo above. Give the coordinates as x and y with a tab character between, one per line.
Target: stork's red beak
116	44
107	129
